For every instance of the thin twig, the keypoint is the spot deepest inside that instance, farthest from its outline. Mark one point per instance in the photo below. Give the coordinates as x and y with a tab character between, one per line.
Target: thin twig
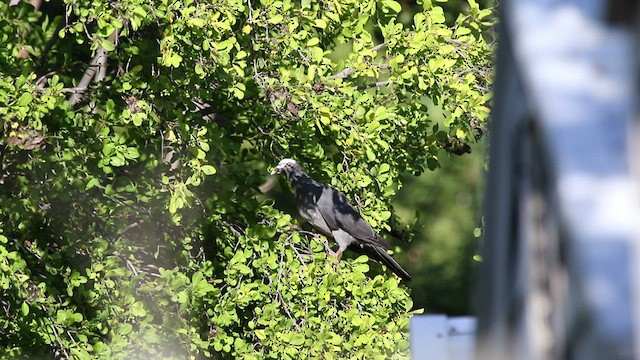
298	255
285	306
250	10
132	268
377	84
113	198
73	90
456	42
131	226
42	80
55	332
349	71
380	46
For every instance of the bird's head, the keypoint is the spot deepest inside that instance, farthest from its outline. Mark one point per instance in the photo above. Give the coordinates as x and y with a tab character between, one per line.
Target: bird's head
286	166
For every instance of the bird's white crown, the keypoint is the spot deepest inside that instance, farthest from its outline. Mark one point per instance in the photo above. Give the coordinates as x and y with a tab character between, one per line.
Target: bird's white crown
282	165
285	162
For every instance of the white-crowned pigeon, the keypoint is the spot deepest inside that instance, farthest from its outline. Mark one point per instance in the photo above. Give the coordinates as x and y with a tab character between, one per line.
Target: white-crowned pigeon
330	212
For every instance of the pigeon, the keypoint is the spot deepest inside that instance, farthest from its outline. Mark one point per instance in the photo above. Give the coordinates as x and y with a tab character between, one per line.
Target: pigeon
330	212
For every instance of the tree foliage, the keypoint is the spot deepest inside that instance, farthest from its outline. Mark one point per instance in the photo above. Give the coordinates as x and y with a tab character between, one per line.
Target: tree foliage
135	136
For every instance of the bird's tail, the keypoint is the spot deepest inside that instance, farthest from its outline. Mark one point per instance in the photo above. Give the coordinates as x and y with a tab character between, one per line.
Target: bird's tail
379	254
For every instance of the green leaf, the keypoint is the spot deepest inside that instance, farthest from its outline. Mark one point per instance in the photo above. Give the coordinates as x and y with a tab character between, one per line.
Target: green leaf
208	169
117	23
460	31
182	297
77	317
396	7
297	339
107	148
363	268
132	153
196	277
276	19
196	22
61	317
171	59
118	160
137	309
336	339
25	99
138	118
370	155
24	309
238	90
320	23
173	205
92	183
124	329
107	45
437	15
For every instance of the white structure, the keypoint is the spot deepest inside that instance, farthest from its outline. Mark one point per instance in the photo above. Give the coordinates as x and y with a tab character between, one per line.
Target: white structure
560	277
441	338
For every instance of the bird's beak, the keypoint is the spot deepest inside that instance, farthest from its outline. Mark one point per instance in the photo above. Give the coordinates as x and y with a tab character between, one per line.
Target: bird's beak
275	171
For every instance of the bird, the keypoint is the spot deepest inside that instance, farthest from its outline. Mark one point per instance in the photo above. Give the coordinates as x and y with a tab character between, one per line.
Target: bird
329	211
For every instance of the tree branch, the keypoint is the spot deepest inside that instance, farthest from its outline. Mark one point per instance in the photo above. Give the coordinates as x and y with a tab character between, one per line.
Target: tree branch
370	85
380	46
343	74
349	71
97	69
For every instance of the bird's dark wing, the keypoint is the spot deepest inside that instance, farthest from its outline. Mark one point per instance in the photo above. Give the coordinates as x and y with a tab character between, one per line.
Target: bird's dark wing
339	214
308	194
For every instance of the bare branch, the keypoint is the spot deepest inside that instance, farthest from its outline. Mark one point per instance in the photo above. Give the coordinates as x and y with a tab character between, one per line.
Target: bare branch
42	80
456	42
98	61
370	85
380	46
349	71
132	268
343	74
97	69
130	227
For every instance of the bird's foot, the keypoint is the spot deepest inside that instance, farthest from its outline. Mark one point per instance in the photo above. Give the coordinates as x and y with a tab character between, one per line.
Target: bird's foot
327	247
336	256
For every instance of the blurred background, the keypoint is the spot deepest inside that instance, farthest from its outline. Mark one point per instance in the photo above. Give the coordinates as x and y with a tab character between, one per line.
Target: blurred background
446	207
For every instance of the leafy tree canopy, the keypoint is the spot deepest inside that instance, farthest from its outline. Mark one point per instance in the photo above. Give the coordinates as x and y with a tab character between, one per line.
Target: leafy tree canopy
135	136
